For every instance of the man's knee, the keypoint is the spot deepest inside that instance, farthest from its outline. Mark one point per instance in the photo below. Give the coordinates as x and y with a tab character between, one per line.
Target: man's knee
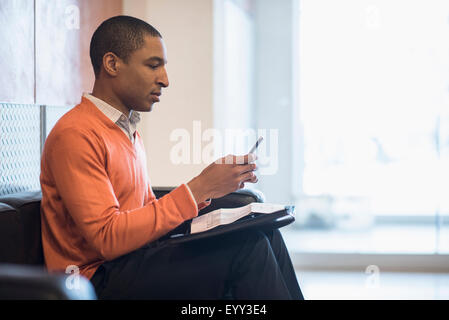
259	243
274	235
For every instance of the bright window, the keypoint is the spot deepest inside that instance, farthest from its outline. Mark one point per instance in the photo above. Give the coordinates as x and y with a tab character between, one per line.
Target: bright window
374	102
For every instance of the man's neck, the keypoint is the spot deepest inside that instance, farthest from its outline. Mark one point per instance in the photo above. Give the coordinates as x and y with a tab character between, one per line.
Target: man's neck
110	98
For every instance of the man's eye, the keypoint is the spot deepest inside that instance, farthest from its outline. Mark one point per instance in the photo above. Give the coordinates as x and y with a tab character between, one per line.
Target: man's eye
153	66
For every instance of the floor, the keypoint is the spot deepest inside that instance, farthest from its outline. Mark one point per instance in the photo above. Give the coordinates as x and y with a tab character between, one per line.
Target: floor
348	285
373	284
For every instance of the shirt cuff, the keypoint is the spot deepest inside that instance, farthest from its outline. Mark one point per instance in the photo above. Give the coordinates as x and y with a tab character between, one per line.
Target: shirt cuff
191	194
201	205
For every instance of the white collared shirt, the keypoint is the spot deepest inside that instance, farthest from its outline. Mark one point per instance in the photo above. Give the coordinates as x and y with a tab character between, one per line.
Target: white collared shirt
127	125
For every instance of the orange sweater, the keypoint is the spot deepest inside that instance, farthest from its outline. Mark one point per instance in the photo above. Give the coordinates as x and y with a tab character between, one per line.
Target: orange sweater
97	202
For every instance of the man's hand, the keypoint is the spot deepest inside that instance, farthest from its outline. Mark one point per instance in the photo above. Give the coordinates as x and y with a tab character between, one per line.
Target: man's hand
223	176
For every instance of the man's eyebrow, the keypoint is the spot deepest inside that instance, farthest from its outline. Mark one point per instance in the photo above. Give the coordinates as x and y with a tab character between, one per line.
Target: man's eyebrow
158	59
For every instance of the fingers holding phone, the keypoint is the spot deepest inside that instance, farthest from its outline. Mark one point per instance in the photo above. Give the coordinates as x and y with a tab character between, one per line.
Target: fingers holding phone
225	175
250	176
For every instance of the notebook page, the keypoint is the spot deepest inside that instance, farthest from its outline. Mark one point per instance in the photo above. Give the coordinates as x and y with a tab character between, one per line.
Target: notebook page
261	207
229	215
218	217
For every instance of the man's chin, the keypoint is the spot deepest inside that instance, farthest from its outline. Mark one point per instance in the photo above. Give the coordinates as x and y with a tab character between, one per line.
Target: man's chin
150	106
144	108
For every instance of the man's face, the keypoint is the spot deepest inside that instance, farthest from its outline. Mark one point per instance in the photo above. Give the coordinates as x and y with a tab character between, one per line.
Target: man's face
140	81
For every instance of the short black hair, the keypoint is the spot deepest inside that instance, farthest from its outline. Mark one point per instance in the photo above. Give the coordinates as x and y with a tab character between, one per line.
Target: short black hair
121	35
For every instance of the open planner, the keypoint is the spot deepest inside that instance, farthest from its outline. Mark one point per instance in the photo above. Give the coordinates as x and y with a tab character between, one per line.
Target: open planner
253	216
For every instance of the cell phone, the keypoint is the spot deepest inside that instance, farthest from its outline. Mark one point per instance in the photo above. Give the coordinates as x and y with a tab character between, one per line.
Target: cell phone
253	149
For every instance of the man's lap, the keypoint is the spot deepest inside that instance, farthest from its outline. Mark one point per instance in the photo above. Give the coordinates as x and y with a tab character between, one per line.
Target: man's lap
202	269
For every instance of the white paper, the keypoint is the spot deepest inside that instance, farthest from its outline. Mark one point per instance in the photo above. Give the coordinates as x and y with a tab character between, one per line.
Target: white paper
228	215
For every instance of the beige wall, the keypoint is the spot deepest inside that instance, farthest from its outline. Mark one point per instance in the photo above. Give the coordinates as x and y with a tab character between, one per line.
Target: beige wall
187	30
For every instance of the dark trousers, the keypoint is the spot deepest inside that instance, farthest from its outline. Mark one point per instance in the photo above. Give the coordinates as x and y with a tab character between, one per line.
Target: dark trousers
252	265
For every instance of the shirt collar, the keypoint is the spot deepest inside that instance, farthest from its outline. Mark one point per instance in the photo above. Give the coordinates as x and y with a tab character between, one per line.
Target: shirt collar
134	117
112	113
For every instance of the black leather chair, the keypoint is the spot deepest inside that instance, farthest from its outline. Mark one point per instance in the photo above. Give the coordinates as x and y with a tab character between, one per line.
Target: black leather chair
22	270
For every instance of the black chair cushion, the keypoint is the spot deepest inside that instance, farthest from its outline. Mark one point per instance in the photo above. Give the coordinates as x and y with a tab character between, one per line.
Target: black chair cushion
20	228
19	282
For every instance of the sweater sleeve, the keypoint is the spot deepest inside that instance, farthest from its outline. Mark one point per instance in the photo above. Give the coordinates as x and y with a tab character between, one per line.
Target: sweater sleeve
76	161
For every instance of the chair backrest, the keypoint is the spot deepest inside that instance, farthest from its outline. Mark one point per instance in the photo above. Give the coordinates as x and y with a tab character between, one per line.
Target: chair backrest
20	228
20	222
234	199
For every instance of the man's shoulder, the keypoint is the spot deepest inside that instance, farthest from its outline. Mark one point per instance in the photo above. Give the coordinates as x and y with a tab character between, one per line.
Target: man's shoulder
77	123
80	119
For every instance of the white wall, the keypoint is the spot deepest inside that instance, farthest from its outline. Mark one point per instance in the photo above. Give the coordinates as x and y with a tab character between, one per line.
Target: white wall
234	66
214	81
276	98
187	30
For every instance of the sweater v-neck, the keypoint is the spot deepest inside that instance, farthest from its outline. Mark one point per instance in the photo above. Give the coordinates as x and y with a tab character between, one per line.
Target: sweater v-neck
108	122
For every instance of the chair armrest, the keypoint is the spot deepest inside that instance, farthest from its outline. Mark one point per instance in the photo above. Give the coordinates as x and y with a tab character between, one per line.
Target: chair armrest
21	282
234	199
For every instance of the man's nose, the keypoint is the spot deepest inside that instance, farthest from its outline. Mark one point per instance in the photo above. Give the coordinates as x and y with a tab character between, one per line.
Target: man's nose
163	78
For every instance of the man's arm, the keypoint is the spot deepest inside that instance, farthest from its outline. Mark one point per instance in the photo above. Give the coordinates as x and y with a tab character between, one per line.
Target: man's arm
77	165
200	205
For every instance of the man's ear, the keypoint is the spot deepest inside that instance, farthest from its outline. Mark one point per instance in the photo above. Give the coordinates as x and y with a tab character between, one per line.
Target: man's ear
111	64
